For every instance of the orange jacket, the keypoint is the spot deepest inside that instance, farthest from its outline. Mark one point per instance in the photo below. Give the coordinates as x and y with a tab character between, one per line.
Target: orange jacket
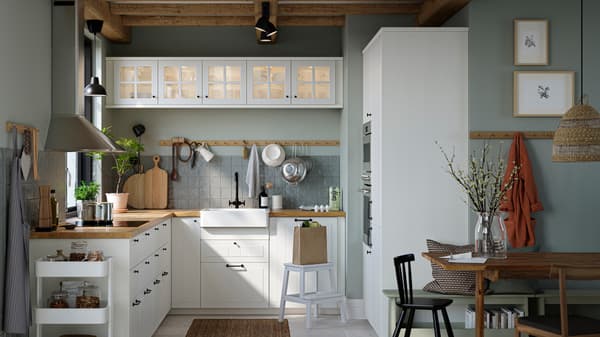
522	200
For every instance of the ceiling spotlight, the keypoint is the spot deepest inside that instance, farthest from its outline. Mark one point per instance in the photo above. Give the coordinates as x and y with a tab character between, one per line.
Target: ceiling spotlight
263	24
94	88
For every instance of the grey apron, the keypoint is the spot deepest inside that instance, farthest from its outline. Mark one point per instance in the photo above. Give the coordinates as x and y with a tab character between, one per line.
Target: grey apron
17	305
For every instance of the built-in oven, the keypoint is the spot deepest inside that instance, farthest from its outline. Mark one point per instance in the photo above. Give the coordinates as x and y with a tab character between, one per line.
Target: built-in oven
365	178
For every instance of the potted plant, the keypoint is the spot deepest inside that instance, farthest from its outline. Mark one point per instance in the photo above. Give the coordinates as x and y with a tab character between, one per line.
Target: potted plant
123	163
85	194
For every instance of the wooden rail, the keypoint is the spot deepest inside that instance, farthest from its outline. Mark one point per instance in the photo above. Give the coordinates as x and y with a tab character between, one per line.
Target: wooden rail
510	134
308	142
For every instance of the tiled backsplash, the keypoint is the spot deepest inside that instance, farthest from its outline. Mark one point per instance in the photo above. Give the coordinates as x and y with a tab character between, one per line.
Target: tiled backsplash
212	184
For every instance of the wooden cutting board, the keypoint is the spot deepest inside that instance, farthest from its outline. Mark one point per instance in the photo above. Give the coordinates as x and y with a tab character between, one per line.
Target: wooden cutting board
155	186
134	185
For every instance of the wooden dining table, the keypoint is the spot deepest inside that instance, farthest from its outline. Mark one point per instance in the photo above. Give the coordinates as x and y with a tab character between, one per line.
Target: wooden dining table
516	266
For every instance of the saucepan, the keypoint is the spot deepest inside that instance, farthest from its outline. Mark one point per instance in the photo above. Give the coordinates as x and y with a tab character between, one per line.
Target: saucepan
294	170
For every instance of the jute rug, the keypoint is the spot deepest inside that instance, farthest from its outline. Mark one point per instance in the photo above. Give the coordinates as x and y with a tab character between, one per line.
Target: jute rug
238	328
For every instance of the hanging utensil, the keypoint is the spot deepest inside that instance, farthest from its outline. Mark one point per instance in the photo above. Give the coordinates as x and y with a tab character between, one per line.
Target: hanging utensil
174	150
193	148
26	154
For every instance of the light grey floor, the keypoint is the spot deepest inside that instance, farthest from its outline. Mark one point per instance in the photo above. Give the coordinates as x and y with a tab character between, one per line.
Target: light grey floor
325	326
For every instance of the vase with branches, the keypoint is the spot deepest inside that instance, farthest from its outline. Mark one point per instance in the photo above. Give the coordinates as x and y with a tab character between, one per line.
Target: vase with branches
485	185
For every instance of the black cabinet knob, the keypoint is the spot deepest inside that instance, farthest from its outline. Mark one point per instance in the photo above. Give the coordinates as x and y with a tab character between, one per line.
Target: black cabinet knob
165	273
206	96
147	234
147	262
198	96
136	271
156	228
153	96
156	282
156	255
136	302
164	225
295	96
136	240
165	249
369	115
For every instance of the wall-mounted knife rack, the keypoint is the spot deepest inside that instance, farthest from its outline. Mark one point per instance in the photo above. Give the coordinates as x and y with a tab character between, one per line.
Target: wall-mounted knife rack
21	128
247	142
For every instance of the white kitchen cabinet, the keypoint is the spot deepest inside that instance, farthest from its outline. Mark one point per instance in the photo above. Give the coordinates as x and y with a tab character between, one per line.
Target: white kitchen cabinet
371	83
422	74
179	82
186	263
268	82
135	81
281	239
224	82
313	82
235	285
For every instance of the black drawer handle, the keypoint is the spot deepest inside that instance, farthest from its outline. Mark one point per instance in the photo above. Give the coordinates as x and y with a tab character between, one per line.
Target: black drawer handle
147	234
235	265
165	273
164	249
156	282
136	271
369	115
156	228
147	291
147	262
369	252
136	302
136	240
300	220
156	255
164	225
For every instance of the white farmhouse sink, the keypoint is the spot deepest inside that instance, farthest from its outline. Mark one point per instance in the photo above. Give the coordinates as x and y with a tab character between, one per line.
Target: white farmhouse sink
234	217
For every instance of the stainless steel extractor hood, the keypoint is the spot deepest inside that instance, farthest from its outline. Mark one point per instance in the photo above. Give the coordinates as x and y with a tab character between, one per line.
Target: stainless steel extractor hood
71	132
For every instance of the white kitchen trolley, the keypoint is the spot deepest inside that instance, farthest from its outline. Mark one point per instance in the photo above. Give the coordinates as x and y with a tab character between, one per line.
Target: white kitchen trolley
73	316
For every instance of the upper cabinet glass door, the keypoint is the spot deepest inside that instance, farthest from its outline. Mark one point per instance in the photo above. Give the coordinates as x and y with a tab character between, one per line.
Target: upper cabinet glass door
180	82
224	82
268	82
135	82
313	82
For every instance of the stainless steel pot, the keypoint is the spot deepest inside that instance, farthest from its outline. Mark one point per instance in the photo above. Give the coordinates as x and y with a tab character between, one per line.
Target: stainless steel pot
92	211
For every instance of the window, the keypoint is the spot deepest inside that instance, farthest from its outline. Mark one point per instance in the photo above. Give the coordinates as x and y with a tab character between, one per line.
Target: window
80	167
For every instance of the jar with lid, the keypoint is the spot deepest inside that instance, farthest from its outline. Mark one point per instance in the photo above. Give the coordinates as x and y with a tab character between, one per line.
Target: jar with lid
89	296
78	251
58	299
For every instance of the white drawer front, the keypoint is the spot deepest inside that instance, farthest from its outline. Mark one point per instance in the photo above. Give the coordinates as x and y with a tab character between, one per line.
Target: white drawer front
241	285
235	250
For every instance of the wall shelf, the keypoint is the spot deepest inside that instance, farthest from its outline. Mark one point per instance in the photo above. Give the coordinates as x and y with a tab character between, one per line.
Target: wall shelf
510	134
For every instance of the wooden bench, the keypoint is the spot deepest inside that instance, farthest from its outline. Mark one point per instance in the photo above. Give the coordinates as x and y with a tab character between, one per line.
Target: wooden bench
521	300
574	296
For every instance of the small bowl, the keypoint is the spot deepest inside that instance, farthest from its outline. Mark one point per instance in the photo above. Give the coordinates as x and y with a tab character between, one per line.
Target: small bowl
69	226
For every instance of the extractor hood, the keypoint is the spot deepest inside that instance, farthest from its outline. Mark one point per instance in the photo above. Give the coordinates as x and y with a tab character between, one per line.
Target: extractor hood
74	133
71	132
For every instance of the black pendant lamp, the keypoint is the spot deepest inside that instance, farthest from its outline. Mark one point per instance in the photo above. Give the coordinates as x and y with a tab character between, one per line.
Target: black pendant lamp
264	25
94	88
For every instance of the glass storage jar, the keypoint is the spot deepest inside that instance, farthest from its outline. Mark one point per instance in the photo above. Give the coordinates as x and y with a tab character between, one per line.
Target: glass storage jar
58	299
89	296
78	251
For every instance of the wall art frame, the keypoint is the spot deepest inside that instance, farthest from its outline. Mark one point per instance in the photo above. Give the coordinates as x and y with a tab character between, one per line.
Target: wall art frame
531	42
543	93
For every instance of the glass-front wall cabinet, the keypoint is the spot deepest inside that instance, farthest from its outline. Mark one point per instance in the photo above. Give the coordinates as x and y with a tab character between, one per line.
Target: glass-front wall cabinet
180	82
135	82
224	82
268	82
313	82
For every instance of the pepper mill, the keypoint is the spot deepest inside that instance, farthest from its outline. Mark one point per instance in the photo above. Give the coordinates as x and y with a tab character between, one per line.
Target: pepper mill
45	215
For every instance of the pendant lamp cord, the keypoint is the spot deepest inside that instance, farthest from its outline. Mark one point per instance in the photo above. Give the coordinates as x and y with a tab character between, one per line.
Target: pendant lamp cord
581	75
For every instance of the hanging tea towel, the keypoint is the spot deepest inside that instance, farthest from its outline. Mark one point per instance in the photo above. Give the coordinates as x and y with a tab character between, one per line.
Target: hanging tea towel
253	173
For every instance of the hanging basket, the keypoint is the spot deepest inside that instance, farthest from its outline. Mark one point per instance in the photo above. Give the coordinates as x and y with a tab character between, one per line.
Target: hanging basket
578	135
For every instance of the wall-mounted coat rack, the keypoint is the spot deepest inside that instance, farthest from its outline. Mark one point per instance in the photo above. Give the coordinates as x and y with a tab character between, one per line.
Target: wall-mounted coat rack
510	134
21	128
246	142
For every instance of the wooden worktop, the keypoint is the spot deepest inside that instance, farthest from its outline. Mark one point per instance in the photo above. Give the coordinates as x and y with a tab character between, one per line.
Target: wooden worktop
154	216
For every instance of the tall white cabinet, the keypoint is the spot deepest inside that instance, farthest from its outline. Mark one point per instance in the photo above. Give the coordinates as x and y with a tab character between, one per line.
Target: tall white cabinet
421	76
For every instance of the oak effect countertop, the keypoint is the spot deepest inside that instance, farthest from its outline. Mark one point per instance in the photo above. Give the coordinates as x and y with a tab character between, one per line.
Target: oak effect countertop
155	216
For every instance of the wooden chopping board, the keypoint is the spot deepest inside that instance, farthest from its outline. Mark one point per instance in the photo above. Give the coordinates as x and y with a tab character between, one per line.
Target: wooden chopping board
155	186
134	185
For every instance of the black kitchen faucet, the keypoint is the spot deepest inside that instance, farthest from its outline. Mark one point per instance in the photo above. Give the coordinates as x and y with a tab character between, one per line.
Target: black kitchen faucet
236	203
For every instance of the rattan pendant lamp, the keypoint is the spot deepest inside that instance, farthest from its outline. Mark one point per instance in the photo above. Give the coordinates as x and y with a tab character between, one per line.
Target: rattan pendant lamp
578	135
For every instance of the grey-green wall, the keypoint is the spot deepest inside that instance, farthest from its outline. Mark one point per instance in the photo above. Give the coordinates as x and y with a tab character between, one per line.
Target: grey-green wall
358	32
569	191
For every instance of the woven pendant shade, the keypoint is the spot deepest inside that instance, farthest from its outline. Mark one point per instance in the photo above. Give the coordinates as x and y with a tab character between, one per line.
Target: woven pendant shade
578	135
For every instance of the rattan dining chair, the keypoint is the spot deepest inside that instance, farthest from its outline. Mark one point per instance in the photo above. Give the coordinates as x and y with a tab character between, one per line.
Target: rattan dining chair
408	305
563	325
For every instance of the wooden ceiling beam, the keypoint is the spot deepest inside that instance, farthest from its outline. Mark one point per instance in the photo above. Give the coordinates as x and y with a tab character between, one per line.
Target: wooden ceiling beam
205	21
299	9
436	12
112	28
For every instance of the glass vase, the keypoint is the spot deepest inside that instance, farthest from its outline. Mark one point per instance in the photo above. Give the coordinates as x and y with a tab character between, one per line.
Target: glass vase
490	236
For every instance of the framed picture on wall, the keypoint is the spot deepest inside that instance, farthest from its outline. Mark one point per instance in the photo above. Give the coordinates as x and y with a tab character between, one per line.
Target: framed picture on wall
531	42
543	93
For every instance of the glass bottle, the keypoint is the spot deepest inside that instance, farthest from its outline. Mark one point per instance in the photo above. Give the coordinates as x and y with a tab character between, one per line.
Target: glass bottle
53	208
263	199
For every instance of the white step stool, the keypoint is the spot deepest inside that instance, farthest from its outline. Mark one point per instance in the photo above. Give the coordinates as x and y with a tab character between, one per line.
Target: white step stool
311	298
